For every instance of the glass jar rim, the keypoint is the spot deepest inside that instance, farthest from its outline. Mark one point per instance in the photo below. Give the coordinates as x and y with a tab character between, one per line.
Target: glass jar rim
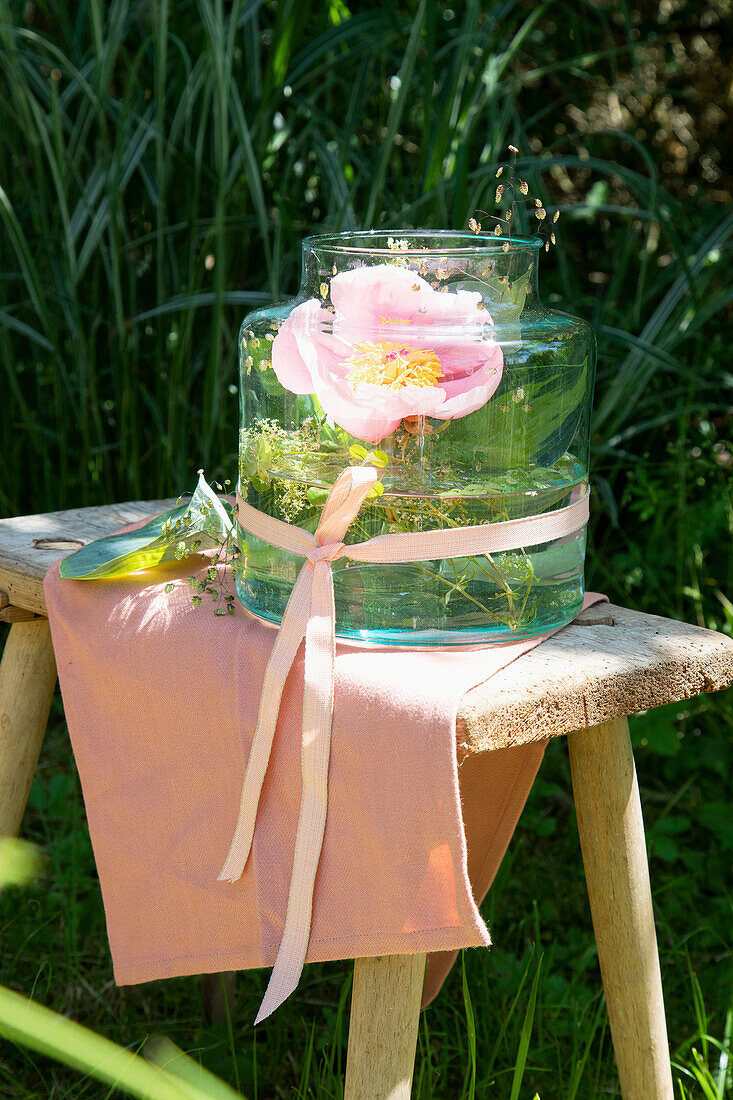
476	244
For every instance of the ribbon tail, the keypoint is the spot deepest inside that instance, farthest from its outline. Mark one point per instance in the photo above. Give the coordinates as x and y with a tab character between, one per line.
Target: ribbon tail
287	642
316	748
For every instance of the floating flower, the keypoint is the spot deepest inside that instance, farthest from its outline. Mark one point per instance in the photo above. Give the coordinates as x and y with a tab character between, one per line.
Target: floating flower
387	351
387	364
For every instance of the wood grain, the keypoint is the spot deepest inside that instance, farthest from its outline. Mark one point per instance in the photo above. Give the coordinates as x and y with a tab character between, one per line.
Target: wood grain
11	614
591	672
27	681
219	994
612	841
385	1011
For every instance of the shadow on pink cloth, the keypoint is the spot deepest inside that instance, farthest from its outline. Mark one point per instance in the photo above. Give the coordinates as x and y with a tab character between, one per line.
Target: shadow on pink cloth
494	787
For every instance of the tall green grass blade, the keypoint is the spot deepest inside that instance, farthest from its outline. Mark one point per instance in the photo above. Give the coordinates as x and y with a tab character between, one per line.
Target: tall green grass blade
230	1034
39	1029
361	33
724	1074
186	303
305	1075
424	1084
24	256
21	327
118	176
589	1037
291	16
634	374
161	1052
526	1035
395	113
701	1073
508	1019
254	179
470	1093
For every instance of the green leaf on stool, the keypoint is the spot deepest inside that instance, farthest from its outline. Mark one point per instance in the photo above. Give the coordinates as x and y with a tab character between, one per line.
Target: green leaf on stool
201	524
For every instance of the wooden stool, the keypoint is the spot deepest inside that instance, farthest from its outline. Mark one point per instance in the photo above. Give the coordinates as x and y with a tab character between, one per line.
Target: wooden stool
583	683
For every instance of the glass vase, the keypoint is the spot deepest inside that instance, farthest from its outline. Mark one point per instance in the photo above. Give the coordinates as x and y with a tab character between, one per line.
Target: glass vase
431	357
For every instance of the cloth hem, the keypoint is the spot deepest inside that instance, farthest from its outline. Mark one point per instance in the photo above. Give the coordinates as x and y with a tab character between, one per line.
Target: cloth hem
210	963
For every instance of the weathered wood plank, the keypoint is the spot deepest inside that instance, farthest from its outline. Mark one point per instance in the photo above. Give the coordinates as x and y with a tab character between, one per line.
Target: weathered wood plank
29	545
592	672
10	614
27	681
219	994
611	831
385	1012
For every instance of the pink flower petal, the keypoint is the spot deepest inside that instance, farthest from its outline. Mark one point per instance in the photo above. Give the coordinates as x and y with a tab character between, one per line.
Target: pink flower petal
310	352
291	371
406	401
459	307
462	360
369	411
465	395
368	421
367	294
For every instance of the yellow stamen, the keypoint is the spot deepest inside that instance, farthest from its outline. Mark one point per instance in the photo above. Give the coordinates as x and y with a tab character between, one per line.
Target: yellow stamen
384	363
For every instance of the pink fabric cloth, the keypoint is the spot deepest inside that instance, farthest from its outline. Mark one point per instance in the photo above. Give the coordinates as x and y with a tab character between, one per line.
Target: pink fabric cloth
310	617
161	703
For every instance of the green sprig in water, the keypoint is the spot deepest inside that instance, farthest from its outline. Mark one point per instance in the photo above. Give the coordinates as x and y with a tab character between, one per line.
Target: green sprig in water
202	530
291	472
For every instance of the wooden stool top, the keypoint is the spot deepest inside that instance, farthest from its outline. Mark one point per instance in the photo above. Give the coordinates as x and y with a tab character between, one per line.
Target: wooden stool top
29	545
609	663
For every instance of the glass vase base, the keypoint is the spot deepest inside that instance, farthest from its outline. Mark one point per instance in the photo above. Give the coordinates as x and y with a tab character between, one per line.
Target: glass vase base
554	615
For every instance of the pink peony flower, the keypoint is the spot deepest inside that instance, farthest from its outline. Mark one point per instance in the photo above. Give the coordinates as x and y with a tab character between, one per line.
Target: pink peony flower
388	352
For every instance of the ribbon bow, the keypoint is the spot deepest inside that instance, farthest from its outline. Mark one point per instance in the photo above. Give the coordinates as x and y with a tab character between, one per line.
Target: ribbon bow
310	614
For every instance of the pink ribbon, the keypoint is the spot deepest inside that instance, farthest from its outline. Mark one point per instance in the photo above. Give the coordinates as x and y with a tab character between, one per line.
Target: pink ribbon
310	614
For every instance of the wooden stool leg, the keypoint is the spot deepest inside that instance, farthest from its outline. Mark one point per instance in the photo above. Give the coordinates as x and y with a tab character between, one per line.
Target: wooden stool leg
218	992
27	681
385	1012
614	854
